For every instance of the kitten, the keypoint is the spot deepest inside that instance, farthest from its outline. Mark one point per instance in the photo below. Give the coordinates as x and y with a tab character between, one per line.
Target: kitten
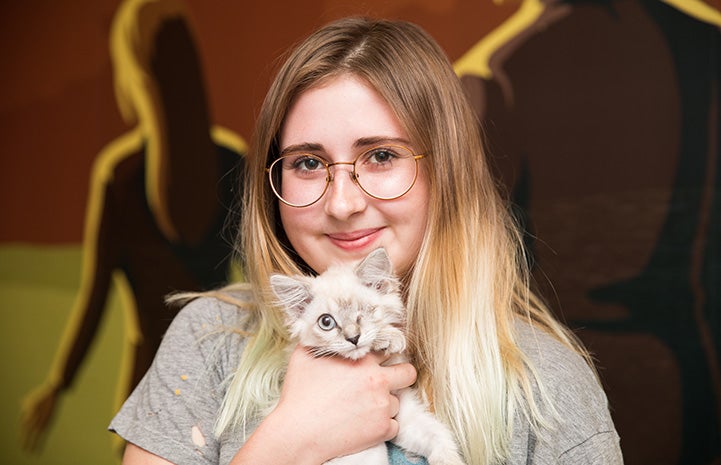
350	311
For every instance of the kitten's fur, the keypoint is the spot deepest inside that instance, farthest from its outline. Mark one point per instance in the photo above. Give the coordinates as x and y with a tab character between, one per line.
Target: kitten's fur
350	311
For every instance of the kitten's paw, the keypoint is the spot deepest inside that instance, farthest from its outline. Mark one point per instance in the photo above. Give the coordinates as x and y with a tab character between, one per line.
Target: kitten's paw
396	345
448	458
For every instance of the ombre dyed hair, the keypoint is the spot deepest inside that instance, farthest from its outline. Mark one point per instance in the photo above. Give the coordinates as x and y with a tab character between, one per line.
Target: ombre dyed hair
470	280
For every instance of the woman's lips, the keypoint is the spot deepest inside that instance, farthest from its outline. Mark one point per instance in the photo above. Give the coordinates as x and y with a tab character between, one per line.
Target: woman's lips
355	240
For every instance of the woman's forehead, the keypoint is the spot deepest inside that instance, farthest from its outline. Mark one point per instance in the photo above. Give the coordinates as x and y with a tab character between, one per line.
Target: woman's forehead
345	112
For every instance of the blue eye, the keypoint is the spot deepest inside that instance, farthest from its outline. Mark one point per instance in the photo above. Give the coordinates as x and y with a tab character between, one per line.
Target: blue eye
326	322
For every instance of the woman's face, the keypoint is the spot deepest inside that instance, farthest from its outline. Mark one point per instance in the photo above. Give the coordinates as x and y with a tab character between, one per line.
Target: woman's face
337	121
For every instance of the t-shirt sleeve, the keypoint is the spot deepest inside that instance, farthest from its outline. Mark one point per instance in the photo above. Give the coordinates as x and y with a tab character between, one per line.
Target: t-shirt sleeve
582	431
600	449
171	413
588	433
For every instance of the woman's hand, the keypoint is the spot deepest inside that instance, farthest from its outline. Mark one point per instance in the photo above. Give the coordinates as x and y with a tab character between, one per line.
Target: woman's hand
329	407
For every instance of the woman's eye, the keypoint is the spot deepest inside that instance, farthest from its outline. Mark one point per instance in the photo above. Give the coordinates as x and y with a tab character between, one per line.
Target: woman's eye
307	164
326	322
380	156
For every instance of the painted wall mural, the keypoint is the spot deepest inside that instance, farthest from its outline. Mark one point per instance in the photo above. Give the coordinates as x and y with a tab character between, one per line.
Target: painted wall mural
160	205
121	146
160	199
603	117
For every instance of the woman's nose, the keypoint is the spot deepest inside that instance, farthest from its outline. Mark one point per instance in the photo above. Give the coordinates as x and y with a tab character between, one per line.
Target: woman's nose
344	197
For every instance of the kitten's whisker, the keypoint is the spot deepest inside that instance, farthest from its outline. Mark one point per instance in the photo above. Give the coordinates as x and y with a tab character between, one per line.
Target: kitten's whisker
320	352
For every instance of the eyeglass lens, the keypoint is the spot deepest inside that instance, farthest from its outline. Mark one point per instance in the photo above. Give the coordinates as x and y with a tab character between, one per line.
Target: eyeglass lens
385	172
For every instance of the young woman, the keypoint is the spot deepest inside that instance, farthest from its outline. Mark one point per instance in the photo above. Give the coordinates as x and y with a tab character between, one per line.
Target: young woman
512	384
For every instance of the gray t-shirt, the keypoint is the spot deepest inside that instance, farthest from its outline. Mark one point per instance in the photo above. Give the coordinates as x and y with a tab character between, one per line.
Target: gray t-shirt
172	411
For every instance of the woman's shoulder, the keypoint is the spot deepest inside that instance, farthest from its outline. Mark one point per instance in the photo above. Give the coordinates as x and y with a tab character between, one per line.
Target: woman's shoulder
187	382
583	424
209	321
555	363
562	372
229	308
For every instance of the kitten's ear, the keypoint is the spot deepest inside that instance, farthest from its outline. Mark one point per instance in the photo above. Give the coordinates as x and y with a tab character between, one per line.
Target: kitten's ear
376	271
293	294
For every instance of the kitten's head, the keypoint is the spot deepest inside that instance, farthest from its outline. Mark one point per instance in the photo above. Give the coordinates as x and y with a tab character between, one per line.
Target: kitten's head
346	311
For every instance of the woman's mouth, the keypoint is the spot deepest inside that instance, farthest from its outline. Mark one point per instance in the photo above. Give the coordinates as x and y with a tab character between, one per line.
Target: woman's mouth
355	240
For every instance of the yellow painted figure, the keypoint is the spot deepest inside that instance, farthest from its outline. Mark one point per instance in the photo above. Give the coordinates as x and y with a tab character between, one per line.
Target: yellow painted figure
159	200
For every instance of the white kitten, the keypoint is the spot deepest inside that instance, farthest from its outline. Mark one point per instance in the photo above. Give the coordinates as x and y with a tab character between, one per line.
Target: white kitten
349	312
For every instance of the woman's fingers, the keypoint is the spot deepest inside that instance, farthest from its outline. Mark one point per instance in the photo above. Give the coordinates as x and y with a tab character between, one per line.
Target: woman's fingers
401	376
392	430
341	389
394	406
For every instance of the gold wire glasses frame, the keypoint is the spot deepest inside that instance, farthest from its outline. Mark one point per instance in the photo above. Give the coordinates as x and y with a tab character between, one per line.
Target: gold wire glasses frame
384	172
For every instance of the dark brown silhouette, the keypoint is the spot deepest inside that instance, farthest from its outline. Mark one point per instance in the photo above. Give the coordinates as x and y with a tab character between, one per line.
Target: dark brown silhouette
603	117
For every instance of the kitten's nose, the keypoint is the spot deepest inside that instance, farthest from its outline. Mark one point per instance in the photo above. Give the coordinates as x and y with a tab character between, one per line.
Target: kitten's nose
353	340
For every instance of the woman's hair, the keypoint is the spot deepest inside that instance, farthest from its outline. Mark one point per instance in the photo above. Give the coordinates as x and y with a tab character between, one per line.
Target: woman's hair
470	280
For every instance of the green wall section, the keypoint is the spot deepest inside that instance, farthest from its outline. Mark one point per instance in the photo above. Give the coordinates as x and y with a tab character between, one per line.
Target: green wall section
37	290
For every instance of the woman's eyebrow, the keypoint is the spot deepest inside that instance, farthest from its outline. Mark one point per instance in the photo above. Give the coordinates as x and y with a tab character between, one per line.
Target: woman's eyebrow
363	142
303	147
376	140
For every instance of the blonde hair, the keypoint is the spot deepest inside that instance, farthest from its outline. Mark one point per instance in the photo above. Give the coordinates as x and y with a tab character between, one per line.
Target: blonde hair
470	280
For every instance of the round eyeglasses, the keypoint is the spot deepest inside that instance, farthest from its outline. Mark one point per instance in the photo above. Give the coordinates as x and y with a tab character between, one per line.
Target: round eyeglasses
385	172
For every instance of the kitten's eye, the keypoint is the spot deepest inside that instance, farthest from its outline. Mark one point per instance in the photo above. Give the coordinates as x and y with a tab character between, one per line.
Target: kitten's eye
326	322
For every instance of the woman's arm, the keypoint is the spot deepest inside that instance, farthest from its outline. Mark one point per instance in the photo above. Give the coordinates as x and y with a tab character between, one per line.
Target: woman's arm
328	407
135	455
